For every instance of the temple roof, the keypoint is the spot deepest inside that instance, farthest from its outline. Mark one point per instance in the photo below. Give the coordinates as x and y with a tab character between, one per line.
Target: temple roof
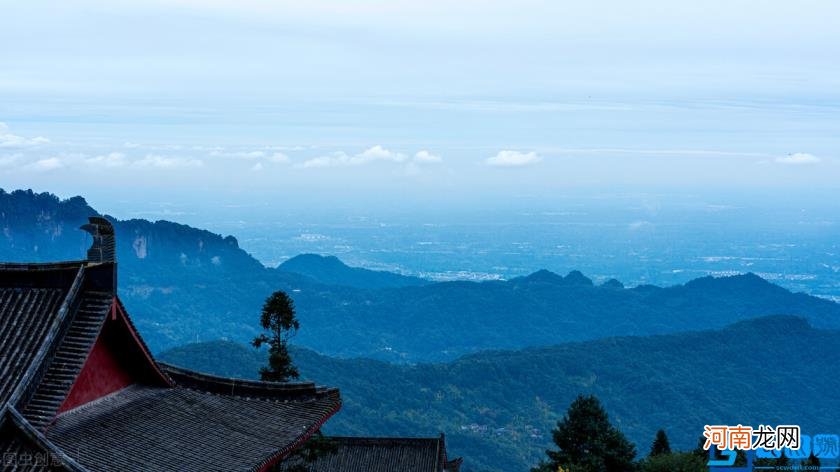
52	317
186	429
386	455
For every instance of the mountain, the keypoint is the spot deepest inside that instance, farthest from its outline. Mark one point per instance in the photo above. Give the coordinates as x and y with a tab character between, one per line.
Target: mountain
546	277
180	283
34	226
183	284
329	270
442	321
498	407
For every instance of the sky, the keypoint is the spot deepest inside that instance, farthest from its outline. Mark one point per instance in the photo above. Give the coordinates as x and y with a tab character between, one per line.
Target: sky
397	104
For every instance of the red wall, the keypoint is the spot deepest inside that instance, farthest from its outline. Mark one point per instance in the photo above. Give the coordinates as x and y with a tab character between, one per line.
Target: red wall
102	373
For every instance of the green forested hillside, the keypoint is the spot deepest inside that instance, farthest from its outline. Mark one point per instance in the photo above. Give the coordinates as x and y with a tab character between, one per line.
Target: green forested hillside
497	408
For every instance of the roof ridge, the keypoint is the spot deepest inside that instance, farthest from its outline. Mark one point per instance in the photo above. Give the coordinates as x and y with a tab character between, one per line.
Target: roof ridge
42	265
104	398
384	439
241	387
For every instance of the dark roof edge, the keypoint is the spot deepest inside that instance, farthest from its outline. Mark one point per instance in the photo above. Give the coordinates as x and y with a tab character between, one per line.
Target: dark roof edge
440	453
50	338
35	436
443	462
42	265
245	388
364	440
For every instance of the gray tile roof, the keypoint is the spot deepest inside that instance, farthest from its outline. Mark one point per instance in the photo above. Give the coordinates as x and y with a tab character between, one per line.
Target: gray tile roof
163	429
386	455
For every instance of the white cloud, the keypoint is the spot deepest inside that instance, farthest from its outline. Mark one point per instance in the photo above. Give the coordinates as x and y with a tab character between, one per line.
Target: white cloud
213	149
257	167
163	162
324	161
114	159
425	156
799	158
7	139
377	153
276	157
373	154
45	165
508	158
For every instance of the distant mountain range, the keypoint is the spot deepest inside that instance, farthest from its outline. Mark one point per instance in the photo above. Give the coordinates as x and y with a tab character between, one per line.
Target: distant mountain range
498	407
330	270
184	284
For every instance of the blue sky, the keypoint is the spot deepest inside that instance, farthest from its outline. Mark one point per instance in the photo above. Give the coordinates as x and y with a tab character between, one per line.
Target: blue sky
434	101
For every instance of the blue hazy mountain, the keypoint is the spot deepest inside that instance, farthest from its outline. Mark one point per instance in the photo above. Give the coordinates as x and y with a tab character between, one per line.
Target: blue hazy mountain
329	270
498	407
184	284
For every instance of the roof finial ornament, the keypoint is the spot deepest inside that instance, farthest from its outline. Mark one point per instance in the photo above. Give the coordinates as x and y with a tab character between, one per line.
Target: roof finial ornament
104	244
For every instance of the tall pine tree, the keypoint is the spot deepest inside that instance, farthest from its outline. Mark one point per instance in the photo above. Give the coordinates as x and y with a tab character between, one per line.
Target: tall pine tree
587	442
660	445
278	318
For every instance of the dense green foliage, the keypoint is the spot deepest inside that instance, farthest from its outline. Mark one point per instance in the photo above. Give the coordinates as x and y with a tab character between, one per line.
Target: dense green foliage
498	408
660	445
586	441
181	285
674	462
278	319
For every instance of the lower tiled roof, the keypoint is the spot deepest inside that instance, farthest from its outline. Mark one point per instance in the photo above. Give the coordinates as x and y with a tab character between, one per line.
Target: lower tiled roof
384	455
19	453
22	448
163	429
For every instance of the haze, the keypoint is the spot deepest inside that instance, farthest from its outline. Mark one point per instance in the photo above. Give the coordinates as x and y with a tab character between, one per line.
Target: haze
422	106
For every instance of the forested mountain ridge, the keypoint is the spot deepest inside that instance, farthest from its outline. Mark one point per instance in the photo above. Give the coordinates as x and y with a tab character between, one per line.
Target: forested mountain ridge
498	407
183	284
